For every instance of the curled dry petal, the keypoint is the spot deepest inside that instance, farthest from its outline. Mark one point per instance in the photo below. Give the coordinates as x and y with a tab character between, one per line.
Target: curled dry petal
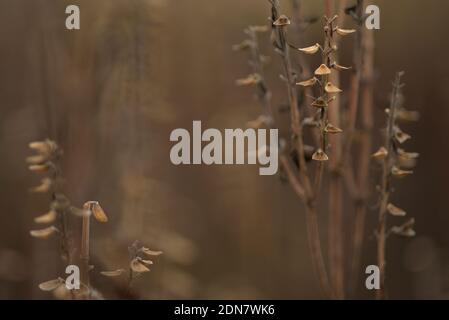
320	155
399	173
381	154
51	284
395	211
332	129
44	233
49	217
338	67
322	70
345	32
137	266
310	50
283	20
308	83
114	273
330	88
150	252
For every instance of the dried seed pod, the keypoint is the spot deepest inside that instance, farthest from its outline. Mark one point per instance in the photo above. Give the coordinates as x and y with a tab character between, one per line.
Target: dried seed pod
49	217
338	67
37	159
146	262
407	155
400	136
149	252
381	154
308	83
330	88
114	273
406	230
39	167
309	122
51	284
44	187
310	50
319	103
44	233
399	173
322	70
138	266
259	28
320	155
332	129
250	80
98	213
344	32
395	211
282	21
408	116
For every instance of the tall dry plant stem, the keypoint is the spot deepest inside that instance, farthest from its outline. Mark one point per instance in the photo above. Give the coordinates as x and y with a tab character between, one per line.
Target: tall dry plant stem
301	180
85	245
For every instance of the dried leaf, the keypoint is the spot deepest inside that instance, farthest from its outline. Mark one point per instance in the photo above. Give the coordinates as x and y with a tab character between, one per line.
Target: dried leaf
338	67
319	155
39	167
49	217
37	159
409	116
138	266
44	233
114	273
310	50
308	83
395	211
51	284
44	187
322	70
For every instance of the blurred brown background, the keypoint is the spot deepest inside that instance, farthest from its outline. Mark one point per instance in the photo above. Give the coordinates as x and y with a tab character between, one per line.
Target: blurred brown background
111	93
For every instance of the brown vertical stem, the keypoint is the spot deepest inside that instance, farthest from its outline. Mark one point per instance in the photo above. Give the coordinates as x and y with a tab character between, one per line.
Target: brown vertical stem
85	238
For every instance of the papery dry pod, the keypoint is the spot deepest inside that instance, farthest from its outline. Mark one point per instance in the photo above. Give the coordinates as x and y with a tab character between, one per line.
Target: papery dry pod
261	122
344	32
320	155
37	159
308	83
381	154
51	284
146	262
407	155
330	88
338	67
332	129
399	173
319	103
97	211
252	79
138	266
114	273
44	147
406	230
246	44
310	50
283	20
44	233
44	187
39	167
309	122
400	136
322	70
395	211
49	217
150	252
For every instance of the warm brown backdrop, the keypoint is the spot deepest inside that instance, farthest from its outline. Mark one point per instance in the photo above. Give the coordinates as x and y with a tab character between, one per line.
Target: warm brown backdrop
112	92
